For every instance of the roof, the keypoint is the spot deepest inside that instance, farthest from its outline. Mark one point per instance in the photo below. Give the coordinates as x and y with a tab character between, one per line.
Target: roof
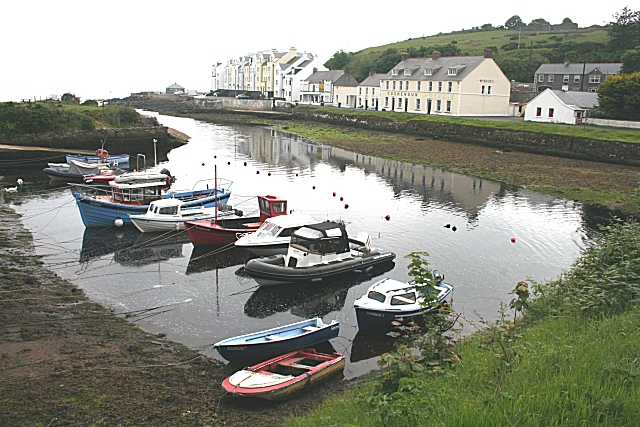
322	76
439	68
581	100
322	229
588	68
373	80
175	86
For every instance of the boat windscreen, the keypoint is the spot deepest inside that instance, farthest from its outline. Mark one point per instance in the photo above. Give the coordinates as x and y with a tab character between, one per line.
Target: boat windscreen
376	296
404	299
320	246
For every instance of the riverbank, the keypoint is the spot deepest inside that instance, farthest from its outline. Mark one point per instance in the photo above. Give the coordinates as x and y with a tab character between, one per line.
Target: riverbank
65	360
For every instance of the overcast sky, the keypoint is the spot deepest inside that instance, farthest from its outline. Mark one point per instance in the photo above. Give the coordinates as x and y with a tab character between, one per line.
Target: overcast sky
112	48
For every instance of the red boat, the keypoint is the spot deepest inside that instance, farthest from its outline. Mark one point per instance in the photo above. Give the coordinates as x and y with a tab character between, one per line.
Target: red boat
284	376
226	230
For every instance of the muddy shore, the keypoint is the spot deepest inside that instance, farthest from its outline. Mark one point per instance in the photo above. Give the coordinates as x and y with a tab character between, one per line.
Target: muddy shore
66	361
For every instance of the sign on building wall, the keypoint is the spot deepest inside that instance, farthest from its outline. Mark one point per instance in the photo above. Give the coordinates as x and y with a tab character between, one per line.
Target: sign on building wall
321	87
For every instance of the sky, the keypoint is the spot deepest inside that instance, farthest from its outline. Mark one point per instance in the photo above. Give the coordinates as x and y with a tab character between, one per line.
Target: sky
111	49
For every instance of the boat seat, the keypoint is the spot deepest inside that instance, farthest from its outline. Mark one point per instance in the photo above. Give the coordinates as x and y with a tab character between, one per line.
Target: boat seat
299	366
273	338
310	328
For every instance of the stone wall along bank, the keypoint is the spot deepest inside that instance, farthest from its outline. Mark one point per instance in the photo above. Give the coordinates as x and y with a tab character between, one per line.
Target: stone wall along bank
558	145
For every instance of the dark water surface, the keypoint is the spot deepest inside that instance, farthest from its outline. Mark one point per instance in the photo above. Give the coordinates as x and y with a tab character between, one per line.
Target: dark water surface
198	297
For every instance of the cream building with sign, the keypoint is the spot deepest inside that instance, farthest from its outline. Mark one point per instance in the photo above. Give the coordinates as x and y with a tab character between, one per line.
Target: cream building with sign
453	85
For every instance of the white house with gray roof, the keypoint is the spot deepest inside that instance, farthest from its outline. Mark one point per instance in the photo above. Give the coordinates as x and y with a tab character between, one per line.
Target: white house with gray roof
451	85
319	87
368	92
583	77
558	106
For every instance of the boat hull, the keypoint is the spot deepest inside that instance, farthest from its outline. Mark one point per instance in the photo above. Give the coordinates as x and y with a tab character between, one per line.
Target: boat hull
63	176
223	232
331	365
267	249
121	159
270	271
100	213
262	345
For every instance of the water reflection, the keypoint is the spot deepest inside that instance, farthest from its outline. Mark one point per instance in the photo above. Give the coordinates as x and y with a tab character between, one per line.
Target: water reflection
207	258
307	301
369	344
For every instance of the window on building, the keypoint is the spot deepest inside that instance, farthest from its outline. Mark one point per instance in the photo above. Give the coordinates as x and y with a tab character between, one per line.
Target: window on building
541	78
448	106
550	78
400	103
438	105
488	90
387	85
551	111
430	86
406	84
394	72
593	89
452	71
449	86
417	104
359	91
366	91
386	101
428	71
407	71
400	85
565	79
373	91
439	86
576	79
594	79
539	112
360	102
419	85
394	85
482	90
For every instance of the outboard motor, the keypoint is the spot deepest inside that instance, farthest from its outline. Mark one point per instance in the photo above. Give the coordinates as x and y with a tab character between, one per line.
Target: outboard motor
364	237
438	277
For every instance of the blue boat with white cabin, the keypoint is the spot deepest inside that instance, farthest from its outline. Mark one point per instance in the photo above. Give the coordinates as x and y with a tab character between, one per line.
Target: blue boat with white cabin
273	342
133	192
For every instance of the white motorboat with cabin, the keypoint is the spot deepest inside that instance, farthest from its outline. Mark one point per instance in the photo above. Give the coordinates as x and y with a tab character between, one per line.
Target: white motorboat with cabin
170	214
274	235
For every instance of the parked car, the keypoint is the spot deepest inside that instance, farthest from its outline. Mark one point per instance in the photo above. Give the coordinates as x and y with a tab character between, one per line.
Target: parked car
243	96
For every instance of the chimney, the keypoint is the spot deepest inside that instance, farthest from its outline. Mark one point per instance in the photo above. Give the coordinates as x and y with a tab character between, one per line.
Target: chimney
488	52
436	55
566	63
315	69
405	56
372	72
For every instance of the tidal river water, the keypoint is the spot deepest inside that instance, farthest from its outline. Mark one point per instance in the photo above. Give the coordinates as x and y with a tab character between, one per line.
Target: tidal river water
483	236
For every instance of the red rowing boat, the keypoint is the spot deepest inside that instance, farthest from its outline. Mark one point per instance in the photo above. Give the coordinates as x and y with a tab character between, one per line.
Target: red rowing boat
226	230
284	376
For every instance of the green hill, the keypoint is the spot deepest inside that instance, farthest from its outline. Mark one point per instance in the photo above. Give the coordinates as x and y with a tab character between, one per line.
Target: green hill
518	53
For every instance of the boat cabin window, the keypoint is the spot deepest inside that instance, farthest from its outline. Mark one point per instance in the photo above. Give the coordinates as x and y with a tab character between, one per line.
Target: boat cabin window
320	246
168	210
287	232
376	296
278	207
268	230
404	299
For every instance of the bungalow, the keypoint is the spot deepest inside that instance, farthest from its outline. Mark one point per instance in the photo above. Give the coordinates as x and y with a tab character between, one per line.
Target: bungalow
174	89
558	106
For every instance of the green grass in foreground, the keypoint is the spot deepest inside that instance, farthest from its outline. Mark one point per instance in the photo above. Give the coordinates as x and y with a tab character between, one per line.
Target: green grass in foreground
568	373
592	132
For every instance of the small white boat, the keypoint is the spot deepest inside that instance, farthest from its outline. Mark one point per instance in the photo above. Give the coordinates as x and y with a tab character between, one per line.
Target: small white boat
169	214
274	235
390	300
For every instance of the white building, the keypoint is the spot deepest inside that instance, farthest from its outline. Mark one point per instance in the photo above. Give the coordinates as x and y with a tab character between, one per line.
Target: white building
290	75
557	106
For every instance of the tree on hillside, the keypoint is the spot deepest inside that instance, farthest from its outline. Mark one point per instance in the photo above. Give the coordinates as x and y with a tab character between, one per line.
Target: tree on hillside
445	50
387	60
631	61
619	97
539	21
521	65
513	22
68	97
361	70
624	32
338	61
487	27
